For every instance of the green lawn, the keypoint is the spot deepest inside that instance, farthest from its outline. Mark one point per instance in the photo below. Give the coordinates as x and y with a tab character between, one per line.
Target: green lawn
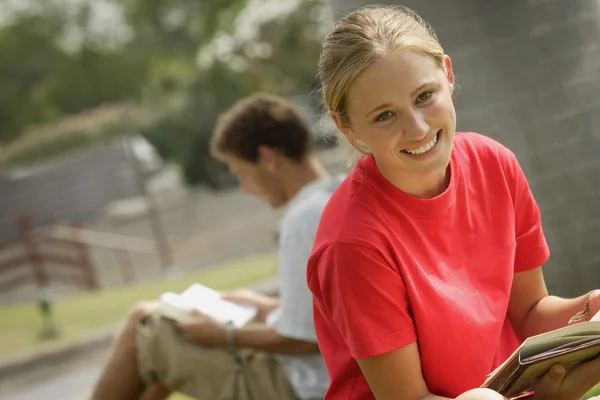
592	393
78	316
83	314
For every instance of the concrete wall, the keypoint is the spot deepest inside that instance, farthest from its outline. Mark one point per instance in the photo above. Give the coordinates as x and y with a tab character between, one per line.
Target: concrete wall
529	73
76	187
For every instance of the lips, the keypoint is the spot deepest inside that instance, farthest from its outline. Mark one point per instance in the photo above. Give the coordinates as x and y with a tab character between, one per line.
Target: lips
424	148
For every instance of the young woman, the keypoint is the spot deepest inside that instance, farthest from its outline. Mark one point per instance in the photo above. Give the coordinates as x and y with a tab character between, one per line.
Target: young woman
426	268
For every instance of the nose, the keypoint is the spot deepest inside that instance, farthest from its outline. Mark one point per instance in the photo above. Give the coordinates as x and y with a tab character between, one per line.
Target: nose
415	126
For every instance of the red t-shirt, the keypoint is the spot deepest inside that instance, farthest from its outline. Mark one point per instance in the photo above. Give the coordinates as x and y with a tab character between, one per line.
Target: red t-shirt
388	269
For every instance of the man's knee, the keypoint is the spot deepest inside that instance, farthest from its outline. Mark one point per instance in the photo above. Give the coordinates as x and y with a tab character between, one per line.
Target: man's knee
139	311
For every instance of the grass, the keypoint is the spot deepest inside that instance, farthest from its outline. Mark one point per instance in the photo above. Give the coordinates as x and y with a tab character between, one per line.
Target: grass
78	316
594	392
81	315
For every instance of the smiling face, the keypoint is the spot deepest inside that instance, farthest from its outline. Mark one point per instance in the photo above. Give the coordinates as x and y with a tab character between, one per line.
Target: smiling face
401	110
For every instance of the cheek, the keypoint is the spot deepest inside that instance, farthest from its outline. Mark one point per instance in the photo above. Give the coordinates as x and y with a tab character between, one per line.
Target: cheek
442	109
385	141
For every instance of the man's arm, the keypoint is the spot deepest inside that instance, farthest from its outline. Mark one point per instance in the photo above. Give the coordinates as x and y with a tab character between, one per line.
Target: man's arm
206	331
265	338
532	311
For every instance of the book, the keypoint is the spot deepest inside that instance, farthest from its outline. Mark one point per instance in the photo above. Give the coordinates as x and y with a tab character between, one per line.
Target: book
569	346
179	307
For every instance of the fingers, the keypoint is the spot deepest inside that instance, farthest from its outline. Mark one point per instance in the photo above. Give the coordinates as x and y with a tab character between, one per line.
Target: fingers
197	317
234	295
550	383
590	373
197	313
227	294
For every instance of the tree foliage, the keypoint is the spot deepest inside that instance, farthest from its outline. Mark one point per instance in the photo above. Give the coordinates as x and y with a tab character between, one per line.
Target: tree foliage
190	59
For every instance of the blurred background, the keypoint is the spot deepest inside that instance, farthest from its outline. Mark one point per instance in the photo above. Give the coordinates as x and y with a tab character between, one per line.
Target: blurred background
108	194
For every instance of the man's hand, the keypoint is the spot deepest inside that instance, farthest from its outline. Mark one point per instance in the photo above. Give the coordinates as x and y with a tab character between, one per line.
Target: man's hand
204	330
264	304
558	384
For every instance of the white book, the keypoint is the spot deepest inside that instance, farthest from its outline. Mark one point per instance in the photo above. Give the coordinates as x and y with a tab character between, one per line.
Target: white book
179	307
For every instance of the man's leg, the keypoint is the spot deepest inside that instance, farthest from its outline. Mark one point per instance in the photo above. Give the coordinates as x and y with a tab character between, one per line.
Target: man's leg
120	377
156	391
164	355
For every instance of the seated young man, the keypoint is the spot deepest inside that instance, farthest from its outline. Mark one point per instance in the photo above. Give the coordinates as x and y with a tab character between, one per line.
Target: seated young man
268	146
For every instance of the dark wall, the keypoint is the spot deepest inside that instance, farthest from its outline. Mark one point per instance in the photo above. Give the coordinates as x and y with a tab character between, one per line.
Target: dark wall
76	187
529	75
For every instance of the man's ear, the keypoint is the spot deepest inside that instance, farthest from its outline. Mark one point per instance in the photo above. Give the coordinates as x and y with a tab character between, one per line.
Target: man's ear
345	129
268	158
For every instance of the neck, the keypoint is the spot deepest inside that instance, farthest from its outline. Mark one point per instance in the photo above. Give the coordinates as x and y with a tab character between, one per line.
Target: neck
299	174
420	186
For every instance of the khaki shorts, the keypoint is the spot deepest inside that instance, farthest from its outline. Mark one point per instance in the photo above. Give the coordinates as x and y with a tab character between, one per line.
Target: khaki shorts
164	355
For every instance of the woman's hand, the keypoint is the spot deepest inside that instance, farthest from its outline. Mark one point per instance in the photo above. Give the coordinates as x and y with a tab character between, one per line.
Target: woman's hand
594	303
558	384
481	394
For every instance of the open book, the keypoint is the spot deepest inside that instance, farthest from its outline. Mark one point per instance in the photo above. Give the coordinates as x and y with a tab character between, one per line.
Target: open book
568	346
179	307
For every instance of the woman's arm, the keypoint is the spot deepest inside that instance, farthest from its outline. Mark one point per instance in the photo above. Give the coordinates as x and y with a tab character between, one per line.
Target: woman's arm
397	376
532	311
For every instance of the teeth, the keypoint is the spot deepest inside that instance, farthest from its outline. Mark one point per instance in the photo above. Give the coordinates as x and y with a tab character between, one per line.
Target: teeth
423	149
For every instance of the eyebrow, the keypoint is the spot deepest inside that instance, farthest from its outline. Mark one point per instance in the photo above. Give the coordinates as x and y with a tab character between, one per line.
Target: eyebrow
386	105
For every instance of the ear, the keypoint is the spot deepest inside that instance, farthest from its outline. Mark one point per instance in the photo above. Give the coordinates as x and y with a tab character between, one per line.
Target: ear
268	158
345	129
449	71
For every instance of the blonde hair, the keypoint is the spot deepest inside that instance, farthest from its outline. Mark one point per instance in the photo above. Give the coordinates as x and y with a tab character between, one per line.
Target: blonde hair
361	38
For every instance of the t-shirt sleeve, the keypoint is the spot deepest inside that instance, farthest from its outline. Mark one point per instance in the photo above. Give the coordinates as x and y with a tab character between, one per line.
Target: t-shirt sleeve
531	247
364	297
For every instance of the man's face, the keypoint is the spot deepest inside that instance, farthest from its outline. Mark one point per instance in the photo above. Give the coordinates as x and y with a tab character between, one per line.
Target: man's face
258	179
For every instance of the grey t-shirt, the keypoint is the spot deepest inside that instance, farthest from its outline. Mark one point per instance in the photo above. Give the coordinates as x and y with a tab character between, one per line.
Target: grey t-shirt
294	317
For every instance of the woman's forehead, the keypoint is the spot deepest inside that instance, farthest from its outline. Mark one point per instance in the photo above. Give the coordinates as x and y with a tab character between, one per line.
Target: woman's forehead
405	71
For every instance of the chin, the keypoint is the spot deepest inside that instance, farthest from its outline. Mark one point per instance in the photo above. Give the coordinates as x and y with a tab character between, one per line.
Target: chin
276	203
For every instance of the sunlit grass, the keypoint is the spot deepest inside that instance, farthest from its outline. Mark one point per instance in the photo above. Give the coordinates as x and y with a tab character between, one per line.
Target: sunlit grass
78	316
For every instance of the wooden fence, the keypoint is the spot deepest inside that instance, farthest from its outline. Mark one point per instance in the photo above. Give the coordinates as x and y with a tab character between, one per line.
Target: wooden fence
49	251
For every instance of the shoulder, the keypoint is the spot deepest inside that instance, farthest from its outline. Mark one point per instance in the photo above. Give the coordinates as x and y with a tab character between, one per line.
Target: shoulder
342	262
484	156
304	213
484	148
488	163
350	215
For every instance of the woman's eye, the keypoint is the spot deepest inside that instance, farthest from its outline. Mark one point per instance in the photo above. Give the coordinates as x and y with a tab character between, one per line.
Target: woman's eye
384	116
424	96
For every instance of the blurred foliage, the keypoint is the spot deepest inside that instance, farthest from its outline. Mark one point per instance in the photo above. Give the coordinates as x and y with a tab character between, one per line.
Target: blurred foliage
184	60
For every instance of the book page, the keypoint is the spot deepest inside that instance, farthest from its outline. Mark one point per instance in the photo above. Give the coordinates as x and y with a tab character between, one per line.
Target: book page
567	346
209	302
532	372
498	378
546	341
583	328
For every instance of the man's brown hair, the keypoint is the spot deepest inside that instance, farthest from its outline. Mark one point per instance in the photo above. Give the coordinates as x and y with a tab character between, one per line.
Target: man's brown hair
261	119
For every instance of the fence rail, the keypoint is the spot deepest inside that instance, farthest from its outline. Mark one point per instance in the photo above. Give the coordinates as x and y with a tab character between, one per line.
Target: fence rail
41	260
